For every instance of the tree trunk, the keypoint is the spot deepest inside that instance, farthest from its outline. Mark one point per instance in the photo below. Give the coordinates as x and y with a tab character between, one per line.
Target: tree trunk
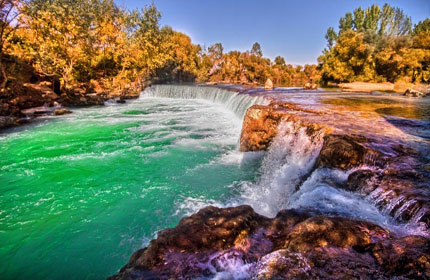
4	75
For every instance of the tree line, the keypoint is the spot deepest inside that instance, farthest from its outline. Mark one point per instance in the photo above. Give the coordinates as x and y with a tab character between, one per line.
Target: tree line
96	43
377	45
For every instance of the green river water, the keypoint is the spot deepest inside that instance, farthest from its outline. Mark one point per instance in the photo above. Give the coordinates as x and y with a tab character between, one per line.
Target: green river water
80	193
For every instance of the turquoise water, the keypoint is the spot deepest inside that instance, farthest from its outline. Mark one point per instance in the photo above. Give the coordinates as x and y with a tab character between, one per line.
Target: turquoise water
80	193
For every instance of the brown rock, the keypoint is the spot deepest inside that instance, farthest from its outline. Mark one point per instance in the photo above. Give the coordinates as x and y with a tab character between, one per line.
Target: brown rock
407	257
341	151
209	229
62	111
323	231
7	121
414	93
293	245
268	85
259	127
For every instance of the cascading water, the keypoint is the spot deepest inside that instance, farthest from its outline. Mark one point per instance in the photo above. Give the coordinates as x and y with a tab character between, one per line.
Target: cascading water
288	181
289	159
233	101
286	176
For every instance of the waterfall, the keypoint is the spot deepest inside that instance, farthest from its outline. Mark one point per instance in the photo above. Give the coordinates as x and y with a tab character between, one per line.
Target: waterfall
287	178
234	101
288	161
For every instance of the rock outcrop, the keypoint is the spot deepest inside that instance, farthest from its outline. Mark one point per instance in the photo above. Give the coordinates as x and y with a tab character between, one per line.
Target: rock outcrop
414	93
268	85
261	124
259	128
342	151
62	111
391	175
22	102
293	245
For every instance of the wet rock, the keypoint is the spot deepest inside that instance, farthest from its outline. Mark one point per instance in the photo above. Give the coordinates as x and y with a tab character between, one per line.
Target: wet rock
321	263
62	111
342	151
7	121
4	109
293	245
259	127
90	99
268	85
261	124
38	111
407	257
391	176
210	229
323	231
400	188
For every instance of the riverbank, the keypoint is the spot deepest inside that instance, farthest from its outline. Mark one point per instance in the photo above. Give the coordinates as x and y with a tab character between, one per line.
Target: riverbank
24	102
398	87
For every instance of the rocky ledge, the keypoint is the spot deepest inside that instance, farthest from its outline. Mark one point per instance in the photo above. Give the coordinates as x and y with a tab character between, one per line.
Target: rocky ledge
293	245
23	102
391	174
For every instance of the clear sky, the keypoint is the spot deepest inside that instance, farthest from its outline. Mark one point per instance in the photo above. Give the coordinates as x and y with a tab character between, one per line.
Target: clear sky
292	29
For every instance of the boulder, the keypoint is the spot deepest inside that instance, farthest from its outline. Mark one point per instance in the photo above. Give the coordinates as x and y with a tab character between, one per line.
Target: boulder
7	121
342	151
62	111
259	127
293	245
268	85
414	93
310	86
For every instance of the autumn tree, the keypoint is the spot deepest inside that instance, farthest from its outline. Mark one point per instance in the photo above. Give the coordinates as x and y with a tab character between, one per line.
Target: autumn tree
9	12
279	60
373	45
62	37
215	51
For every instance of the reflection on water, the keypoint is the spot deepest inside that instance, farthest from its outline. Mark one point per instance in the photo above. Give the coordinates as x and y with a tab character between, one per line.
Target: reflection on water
383	106
405	112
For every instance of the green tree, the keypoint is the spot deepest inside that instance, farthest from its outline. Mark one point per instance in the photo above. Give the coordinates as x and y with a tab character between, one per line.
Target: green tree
422	26
345	23
256	50
331	37
359	19
371	18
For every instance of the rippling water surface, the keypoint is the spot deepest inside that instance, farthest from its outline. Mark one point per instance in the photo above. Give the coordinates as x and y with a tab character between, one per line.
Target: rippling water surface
80	193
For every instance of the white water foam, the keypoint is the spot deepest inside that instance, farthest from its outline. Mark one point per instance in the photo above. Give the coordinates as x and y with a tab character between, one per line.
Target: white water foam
291	156
233	101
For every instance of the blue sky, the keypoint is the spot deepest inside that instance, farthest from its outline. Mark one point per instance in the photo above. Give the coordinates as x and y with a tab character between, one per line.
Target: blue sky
292	29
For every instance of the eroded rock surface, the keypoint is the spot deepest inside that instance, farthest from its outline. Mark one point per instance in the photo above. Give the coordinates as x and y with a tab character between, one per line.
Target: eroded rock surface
391	175
294	244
